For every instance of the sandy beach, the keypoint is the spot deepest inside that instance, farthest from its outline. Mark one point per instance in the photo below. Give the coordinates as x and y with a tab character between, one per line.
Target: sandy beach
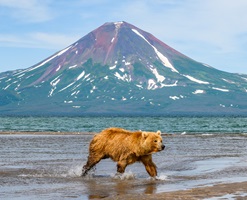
220	191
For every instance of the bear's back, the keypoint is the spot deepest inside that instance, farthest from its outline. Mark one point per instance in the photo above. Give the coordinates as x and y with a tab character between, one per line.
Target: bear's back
119	132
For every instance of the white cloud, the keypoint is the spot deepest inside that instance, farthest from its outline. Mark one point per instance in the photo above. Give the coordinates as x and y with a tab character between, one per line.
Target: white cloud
37	40
27	10
54	40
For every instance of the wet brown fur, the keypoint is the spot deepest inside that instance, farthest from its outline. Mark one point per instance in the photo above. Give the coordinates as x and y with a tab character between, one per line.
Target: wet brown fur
124	147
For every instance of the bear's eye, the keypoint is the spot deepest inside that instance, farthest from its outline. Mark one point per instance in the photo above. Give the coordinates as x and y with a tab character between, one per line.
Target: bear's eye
155	140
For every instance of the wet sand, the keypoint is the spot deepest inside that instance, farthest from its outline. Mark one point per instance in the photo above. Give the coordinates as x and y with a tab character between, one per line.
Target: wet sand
219	191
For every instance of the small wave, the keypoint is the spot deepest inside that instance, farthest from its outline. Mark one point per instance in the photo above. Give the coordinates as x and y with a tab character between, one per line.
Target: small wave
183	133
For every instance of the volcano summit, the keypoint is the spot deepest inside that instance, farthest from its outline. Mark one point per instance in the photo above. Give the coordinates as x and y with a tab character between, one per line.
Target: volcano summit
119	69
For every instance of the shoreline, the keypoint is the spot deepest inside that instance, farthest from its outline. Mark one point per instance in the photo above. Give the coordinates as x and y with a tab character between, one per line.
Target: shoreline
236	190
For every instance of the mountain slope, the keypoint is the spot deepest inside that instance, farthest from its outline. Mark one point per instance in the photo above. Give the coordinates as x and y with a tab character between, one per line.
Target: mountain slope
120	69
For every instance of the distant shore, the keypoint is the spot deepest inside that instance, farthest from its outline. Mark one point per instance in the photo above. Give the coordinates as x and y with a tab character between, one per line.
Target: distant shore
229	190
43	133
53	133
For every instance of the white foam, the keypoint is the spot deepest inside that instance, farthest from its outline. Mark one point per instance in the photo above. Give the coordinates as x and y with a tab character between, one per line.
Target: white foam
207	134
162	177
75	171
125	176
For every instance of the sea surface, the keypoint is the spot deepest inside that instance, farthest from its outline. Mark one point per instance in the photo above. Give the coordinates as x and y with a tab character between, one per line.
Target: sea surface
189	125
199	152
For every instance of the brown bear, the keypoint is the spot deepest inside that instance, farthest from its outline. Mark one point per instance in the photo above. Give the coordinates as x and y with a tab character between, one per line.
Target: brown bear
124	147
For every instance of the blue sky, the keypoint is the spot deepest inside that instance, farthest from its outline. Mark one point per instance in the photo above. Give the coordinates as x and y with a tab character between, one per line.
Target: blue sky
213	31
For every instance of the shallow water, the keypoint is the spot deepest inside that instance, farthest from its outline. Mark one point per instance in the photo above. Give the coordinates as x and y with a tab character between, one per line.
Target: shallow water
49	166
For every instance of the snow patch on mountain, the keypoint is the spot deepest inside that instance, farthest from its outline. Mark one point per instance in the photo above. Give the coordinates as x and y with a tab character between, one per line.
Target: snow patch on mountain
125	77
174	97
199	92
59	67
122	69
244	78
73	66
139	86
80	76
169	85
159	77
195	80
220	89
177	97
49	59
152	85
67	87
3	77
21	75
92	90
163	59
228	81
113	67
55	81
118	24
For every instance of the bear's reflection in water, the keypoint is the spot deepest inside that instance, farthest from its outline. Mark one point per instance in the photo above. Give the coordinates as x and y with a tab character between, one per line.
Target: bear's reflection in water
101	187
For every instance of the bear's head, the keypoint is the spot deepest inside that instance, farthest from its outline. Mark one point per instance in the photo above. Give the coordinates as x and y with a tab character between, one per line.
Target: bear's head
152	142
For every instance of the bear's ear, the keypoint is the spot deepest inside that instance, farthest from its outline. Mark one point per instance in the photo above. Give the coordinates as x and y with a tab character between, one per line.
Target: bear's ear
158	132
144	135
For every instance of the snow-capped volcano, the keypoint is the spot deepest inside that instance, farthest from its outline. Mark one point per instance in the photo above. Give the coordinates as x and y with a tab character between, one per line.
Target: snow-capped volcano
121	69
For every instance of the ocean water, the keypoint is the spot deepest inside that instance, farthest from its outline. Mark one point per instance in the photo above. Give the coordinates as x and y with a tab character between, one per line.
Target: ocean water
199	152
177	125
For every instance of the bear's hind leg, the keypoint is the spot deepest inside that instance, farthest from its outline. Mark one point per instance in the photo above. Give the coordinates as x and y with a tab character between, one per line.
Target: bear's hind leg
91	162
121	165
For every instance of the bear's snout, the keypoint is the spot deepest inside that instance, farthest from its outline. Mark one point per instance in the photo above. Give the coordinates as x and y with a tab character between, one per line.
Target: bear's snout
163	147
